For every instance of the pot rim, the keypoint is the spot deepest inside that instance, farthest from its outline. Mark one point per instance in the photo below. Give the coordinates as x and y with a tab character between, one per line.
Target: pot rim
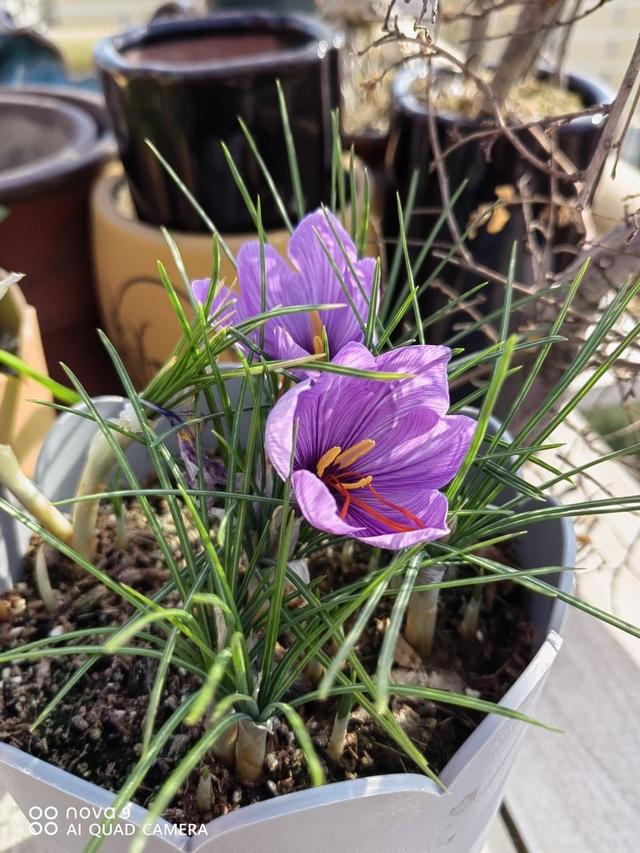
89	100
48	173
79	128
333	792
405	101
109	53
105	192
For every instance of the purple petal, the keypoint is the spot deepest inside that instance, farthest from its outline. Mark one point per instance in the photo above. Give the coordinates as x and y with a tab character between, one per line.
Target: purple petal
317	276
224	307
342	410
318	505
332	410
278	439
434	518
429	364
200	288
305	245
276	276
425	449
314	282
279	290
287	348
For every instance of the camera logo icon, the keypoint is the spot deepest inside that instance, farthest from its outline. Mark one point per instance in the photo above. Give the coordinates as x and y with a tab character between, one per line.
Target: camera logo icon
43	821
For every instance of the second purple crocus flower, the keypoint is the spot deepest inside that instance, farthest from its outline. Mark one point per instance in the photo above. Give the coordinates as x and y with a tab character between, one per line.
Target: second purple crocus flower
371	456
309	280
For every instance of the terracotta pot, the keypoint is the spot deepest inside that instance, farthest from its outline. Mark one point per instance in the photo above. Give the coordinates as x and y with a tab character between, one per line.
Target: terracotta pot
402	811
46	233
23	424
137	314
183	83
410	149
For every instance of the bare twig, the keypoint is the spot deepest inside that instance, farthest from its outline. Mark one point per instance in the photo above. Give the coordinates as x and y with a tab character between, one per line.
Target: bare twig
545	124
523	48
563	42
549	26
443	178
496	108
477	36
618	144
606	143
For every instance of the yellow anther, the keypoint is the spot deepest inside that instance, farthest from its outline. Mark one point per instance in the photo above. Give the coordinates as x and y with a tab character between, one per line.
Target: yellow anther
353	453
317	331
318	346
359	485
327	459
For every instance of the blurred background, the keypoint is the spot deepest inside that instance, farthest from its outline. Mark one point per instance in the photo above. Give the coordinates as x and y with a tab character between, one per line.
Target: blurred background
601	42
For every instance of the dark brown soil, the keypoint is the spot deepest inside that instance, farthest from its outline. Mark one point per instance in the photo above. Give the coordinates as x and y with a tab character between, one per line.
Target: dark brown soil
95	732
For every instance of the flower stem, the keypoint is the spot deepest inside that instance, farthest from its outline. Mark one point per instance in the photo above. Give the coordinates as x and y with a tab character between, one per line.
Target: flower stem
94	479
469	623
42	580
422	611
16	481
338	736
347	551
122	537
224	749
251	748
204	791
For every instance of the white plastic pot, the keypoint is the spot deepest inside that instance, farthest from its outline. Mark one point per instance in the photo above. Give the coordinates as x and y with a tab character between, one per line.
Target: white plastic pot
404	813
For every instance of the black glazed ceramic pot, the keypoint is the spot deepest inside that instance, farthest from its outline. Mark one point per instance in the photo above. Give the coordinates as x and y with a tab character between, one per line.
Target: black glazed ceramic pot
484	168
183	84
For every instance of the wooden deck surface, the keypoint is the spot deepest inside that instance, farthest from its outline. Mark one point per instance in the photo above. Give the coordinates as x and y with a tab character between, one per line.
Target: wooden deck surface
579	792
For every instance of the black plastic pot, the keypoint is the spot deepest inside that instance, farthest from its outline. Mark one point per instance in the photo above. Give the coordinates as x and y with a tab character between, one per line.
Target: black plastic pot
62	140
484	168
183	84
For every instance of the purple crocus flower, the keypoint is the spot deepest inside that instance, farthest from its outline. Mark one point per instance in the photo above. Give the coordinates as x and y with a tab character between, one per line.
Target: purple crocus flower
309	280
371	455
223	304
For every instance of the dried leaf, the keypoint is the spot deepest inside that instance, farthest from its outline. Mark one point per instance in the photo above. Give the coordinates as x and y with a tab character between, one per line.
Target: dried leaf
7	279
405	655
499	219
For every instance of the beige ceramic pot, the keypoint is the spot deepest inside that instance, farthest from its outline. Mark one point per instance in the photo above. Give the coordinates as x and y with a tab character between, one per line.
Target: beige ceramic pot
23	423
136	313
616	199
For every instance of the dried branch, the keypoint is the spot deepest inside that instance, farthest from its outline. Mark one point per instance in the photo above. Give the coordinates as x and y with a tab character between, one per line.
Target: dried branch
524	46
606	143
477	36
443	178
562	47
614	258
550	26
491	133
623	133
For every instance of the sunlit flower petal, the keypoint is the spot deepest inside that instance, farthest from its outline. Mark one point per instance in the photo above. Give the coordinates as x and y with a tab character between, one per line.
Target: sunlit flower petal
370	455
309	279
